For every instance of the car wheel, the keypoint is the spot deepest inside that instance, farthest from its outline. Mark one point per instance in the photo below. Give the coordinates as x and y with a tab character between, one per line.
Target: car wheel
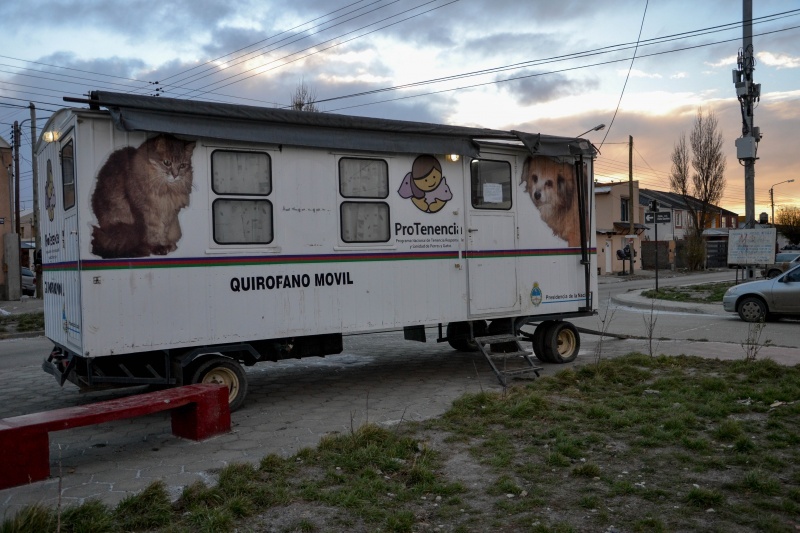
538	341
224	371
458	335
562	342
752	309
773	273
502	326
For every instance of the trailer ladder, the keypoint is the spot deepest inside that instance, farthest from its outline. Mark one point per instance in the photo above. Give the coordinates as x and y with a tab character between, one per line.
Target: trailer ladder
500	350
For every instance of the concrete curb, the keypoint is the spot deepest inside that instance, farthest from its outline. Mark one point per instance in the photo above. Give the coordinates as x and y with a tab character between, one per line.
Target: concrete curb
634	299
22	335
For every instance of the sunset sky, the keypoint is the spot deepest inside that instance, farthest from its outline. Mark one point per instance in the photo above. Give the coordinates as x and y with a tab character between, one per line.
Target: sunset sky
539	66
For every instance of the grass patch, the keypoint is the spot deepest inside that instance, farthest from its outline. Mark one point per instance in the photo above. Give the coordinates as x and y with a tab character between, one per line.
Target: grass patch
576	451
22	322
706	293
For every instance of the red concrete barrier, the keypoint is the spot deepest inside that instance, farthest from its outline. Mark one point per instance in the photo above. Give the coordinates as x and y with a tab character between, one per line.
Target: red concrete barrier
198	412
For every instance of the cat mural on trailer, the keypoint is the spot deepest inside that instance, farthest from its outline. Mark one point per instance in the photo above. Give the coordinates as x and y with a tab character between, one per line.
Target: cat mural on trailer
138	196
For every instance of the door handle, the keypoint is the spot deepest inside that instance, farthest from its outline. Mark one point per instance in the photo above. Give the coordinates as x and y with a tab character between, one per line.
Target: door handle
472	230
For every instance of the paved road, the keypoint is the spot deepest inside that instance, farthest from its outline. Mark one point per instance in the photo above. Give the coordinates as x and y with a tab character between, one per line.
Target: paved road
378	378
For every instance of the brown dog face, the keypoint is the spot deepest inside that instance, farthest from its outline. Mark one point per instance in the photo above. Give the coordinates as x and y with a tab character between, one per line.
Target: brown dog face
551	185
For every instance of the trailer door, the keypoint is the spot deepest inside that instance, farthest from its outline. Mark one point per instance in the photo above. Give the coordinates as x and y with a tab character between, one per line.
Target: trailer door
491	240
71	318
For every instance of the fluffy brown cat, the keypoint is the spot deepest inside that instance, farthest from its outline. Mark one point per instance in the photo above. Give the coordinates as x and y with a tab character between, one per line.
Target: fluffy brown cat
138	196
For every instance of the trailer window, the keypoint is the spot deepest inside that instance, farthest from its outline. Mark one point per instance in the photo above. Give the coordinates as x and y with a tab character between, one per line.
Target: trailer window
491	184
68	175
365	221
248	173
242	221
363	178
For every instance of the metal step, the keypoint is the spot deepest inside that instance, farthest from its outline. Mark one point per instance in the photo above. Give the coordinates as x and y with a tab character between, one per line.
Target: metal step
522	372
499	359
497	339
507	355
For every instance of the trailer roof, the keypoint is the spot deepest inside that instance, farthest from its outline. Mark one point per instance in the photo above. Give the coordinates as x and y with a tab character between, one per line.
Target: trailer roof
320	130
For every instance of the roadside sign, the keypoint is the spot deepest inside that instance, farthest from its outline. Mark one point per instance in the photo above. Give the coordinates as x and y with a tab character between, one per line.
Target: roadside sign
751	246
664	217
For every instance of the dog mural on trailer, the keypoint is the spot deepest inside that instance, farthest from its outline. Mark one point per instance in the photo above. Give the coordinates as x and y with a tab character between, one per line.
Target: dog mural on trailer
552	188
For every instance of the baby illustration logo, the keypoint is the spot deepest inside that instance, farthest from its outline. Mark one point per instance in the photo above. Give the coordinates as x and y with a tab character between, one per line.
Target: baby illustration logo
50	193
425	185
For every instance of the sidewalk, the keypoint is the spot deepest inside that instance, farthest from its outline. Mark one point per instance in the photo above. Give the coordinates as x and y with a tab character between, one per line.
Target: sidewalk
19	307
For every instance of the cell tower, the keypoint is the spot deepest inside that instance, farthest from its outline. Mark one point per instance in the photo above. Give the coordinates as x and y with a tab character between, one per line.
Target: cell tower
748	94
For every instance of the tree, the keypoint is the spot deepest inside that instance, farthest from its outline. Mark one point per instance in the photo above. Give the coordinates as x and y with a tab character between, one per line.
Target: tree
304	98
788	222
701	187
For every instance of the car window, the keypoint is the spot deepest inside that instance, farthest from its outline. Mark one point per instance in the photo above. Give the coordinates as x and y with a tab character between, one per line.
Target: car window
782	258
793	275
26	272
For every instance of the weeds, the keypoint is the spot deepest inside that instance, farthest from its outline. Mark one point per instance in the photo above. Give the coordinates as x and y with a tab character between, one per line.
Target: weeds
605	323
618	442
22	322
706	293
650	321
752	343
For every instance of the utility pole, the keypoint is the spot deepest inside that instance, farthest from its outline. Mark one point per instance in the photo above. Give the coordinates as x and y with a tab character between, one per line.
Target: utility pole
748	93
35	169
632	231
16	175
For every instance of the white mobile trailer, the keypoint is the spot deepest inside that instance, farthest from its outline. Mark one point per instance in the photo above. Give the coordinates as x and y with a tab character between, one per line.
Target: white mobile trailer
183	238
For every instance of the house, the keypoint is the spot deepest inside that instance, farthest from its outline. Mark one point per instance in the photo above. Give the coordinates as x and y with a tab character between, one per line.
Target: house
680	223
617	214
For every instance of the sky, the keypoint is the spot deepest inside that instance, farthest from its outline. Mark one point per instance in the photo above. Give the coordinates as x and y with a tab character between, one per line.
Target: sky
558	68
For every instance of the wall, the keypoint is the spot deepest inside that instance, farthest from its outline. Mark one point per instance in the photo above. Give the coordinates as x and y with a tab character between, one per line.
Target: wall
5	213
609	238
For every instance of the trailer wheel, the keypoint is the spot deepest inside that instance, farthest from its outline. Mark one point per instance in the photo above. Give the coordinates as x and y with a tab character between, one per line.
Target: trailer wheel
502	326
224	371
562	342
458	335
537	343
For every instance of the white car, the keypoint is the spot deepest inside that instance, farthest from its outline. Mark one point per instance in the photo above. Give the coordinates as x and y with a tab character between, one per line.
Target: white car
761	300
783	262
28	281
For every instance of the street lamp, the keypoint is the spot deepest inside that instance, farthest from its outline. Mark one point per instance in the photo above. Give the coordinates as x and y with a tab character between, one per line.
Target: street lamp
772	198
596	128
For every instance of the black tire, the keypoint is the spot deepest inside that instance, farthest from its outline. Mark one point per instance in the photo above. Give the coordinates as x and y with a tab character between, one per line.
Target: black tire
501	326
226	372
774	273
752	309
458	336
562	342
538	341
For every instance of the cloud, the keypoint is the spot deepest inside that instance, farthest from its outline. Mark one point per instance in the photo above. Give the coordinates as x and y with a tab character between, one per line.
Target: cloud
635	73
778	60
724	62
529	87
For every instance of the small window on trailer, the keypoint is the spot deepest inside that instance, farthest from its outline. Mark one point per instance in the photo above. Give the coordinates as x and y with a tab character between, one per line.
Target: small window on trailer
362	180
241	213
491	184
68	175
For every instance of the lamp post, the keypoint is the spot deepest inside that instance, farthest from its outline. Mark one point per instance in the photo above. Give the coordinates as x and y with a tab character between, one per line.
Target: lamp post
596	128
772	198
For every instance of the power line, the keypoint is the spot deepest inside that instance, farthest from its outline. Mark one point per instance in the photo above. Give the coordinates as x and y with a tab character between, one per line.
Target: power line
324	49
567	69
627	76
211	61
